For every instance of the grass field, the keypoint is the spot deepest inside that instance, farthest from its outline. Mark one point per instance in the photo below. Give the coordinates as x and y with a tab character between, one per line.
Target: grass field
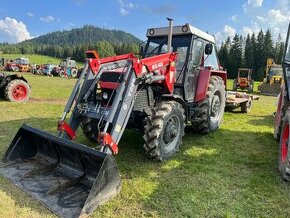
36	59
230	173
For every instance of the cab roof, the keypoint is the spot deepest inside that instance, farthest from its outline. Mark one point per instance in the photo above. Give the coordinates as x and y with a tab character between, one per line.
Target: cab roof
186	29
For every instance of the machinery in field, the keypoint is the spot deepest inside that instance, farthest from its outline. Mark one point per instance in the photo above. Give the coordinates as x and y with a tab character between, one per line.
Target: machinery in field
14	88
177	80
66	68
244	80
282	116
273	79
19	65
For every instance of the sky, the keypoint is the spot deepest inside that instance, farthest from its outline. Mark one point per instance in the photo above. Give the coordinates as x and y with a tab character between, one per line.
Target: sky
26	19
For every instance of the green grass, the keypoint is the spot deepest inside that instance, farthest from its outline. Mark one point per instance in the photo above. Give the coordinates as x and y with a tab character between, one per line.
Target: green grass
36	59
230	173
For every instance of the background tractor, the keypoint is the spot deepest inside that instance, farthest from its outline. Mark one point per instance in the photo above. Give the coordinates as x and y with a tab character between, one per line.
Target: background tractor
176	81
19	65
14	88
244	80
66	68
273	79
282	115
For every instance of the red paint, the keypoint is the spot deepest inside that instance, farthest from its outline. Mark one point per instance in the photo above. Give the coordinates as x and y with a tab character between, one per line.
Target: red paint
160	65
63	126
202	84
279	110
19	92
109	85
284	145
106	139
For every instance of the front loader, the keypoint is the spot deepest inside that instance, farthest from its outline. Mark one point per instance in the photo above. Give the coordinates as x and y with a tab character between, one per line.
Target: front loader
177	80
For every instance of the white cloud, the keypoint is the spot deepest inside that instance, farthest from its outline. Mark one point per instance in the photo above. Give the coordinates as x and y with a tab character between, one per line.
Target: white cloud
29	14
234	18
252	4
13	31
227	31
47	19
125	7
71	24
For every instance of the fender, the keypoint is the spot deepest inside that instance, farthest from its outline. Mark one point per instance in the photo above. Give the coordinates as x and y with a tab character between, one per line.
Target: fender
203	81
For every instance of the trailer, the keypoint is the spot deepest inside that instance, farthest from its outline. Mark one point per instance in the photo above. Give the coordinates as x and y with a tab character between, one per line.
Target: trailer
240	99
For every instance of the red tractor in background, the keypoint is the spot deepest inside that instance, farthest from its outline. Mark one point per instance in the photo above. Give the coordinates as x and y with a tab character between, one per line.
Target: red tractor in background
176	81
14	88
244	80
282	115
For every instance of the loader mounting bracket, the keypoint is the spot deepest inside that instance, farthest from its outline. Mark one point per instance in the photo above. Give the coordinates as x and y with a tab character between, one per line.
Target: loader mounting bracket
64	127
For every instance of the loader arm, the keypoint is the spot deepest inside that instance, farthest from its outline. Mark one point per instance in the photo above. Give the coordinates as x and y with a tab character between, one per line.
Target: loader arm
113	118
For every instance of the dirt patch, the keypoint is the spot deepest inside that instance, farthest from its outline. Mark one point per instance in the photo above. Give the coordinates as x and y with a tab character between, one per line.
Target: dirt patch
48	100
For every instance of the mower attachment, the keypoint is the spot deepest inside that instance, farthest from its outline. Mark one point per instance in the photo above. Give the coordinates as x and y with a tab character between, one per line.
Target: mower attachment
71	179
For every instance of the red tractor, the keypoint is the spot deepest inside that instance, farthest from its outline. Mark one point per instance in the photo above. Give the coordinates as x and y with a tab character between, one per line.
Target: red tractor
282	115
177	81
244	80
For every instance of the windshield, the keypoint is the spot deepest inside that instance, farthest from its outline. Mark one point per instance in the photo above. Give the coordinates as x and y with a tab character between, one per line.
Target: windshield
179	44
276	71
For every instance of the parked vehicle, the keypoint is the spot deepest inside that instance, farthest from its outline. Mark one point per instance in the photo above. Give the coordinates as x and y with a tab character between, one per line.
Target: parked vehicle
66	68
244	80
177	81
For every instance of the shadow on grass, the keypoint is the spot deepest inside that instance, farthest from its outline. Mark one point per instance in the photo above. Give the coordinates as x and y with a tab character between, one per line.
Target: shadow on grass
213	175
267	120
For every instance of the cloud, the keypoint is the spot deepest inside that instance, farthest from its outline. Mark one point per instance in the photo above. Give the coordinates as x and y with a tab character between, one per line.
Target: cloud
47	19
125	8
227	31
71	24
13	31
29	14
161	9
250	4
234	18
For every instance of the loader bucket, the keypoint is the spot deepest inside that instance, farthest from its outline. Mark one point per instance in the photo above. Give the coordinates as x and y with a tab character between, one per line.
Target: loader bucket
70	179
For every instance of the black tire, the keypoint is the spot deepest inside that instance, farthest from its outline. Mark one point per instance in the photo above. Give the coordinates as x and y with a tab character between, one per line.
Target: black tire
164	130
17	91
235	85
284	153
210	111
74	72
246	106
62	73
90	128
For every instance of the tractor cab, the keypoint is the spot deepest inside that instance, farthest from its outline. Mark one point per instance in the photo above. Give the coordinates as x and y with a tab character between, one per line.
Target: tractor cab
195	50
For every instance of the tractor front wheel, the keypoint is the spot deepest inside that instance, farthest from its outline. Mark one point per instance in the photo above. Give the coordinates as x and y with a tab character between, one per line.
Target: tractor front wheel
164	130
210	111
17	91
284	149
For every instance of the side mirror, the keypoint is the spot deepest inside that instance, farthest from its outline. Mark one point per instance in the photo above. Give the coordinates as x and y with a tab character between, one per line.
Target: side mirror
208	49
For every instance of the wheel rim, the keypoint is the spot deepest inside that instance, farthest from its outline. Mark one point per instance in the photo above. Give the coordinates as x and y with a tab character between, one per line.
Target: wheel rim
215	107
284	145
19	92
171	133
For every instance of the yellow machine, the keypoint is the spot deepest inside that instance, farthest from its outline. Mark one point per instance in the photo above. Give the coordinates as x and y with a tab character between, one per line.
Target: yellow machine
273	78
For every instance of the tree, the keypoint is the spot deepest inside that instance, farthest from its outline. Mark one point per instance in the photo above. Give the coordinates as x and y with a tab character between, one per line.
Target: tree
249	52
235	55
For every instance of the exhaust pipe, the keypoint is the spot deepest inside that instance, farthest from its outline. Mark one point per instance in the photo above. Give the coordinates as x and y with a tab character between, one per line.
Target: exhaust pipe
70	179
170	30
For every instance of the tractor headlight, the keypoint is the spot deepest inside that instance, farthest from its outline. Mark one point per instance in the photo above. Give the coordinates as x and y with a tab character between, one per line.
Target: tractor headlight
105	95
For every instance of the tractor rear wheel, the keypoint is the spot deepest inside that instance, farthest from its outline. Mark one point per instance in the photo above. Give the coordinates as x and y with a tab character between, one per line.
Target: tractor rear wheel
210	111
284	149
17	91
74	72
90	128
164	130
